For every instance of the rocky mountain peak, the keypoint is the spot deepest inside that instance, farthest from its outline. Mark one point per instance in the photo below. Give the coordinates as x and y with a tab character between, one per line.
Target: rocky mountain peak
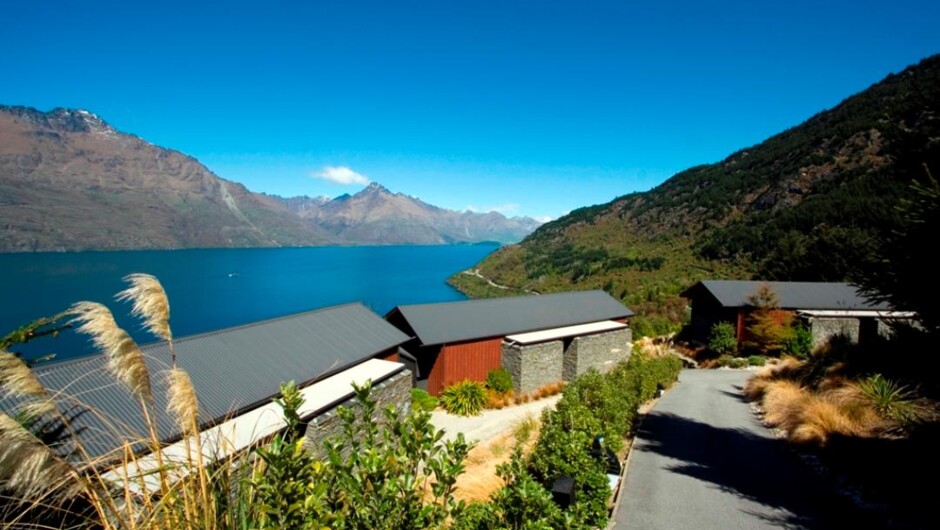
374	188
61	119
78	120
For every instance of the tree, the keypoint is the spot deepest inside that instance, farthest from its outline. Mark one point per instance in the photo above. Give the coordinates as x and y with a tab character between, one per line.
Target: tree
904	274
768	328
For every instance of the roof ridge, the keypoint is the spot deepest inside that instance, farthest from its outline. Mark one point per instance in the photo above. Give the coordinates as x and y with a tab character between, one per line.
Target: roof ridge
498	298
147	347
254	324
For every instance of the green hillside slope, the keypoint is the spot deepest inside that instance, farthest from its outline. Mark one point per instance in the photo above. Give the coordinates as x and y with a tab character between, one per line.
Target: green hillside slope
810	203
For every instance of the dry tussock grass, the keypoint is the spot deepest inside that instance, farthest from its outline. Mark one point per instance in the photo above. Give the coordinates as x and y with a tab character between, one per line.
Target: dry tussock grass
755	388
479	480
783	404
653	347
814	417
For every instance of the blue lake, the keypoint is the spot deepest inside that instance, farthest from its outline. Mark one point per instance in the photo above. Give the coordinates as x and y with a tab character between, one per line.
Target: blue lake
211	289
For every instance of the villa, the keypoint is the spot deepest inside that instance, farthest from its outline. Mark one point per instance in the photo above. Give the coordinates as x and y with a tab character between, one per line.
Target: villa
539	339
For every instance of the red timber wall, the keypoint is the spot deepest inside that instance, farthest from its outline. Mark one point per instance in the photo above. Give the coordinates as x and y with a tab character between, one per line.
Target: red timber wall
389	355
465	360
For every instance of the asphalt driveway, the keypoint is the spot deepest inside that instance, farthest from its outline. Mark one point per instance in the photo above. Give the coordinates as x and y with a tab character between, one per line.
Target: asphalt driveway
701	460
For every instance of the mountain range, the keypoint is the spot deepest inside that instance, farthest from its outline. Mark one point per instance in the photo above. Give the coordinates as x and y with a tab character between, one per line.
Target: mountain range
811	203
70	181
375	216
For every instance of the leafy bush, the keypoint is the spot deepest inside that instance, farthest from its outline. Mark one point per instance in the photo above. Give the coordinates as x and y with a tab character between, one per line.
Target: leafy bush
655	373
723	338
466	398
756	360
725	360
738	362
563	449
422	401
289	489
652	326
499	381
594	405
378	471
799	343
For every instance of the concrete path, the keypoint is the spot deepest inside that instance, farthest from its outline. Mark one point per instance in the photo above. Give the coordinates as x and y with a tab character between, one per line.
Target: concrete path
491	422
701	460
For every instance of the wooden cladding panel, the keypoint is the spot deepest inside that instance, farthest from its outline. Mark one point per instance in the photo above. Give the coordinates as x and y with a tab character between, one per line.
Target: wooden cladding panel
466	360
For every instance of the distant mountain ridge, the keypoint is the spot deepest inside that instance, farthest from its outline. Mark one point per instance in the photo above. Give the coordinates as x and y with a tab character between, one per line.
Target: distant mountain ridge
69	181
375	215
810	203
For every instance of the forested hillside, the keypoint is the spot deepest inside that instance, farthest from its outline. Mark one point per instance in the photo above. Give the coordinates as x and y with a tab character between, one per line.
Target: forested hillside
811	203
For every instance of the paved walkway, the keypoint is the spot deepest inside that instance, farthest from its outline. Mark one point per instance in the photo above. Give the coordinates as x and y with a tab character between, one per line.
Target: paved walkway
701	460
491	422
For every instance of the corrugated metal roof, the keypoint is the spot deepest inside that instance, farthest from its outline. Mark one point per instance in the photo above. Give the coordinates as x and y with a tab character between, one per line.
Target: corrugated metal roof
792	295
566	331
232	369
495	317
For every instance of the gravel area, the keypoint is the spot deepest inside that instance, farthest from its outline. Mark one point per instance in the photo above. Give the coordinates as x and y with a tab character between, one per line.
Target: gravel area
490	423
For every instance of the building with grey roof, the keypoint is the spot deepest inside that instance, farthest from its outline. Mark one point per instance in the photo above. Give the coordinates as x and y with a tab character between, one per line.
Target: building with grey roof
233	370
829	308
453	341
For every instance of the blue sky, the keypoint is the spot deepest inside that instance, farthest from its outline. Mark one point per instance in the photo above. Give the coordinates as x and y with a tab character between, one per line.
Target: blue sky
531	108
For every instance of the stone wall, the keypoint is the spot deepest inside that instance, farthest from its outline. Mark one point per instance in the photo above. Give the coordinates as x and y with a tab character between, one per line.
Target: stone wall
396	390
824	329
533	366
600	351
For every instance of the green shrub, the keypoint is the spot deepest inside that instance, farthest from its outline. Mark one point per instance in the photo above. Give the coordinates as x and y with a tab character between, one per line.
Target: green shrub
466	398
592	405
756	360
652	326
563	449
725	360
375	467
738	362
499	381
654	373
799	343
723	338
595	404
603	404
422	401
290	490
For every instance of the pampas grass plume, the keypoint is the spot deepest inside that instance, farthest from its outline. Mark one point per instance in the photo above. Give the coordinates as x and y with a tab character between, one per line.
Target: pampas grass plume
150	303
125	360
17	380
30	468
182	402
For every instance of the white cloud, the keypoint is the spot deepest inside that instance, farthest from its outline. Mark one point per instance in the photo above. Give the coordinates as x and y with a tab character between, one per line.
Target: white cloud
500	208
340	175
544	218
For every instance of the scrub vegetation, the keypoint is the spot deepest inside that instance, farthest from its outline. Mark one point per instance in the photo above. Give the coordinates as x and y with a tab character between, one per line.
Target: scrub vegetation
592	405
